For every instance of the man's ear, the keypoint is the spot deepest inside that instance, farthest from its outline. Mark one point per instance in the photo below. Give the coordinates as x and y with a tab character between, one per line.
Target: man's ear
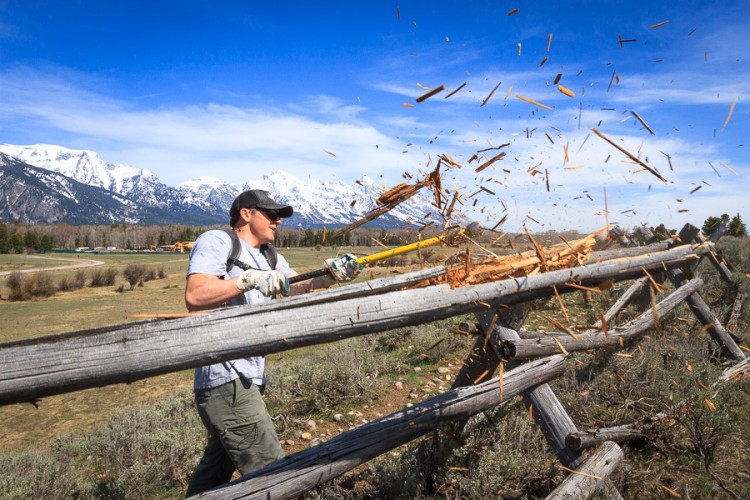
246	213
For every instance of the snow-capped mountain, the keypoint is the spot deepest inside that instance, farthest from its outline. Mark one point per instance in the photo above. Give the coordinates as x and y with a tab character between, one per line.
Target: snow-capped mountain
33	194
205	200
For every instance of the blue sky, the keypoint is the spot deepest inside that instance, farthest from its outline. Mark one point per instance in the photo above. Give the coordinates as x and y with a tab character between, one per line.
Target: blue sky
237	89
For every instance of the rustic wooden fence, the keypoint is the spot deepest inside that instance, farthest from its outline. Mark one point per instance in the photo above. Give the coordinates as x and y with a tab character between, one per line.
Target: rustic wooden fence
35	368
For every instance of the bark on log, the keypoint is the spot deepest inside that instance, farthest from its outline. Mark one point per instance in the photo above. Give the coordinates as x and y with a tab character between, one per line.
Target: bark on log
582	440
519	349
599	464
125	353
303	471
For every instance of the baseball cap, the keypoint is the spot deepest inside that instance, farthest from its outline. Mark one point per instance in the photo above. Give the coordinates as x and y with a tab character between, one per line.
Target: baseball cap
256	198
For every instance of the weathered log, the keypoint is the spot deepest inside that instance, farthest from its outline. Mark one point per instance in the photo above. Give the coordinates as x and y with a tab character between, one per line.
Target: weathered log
626	252
724	272
740	371
125	352
519	349
473	329
303	471
623	301
734	315
546	409
712	324
582	440
701	310
483	358
590	475
593	437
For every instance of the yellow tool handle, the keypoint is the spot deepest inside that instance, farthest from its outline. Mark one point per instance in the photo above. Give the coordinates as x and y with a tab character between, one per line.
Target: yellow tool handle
386	254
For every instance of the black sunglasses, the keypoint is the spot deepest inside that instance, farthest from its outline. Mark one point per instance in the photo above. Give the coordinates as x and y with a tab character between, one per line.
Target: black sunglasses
270	214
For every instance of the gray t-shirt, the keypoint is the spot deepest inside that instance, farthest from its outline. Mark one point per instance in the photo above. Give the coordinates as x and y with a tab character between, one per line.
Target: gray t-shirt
209	256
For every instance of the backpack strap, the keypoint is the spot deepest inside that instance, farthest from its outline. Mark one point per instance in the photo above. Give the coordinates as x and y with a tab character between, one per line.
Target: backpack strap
268	250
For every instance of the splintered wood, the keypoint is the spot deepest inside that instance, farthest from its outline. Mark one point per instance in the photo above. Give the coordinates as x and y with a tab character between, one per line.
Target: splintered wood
394	197
542	259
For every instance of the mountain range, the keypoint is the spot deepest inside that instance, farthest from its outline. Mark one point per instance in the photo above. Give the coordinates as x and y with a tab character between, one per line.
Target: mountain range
52	184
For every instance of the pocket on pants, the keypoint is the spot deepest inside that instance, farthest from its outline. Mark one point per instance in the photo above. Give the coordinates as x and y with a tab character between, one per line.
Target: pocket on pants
240	437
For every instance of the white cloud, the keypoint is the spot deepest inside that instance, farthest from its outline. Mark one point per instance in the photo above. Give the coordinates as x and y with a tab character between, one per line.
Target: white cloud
237	144
226	141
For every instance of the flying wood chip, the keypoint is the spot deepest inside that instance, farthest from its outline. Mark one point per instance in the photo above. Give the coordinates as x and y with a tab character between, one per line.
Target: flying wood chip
566	91
489	162
430	93
728	168
729	115
490	94
332	154
626	153
658	24
645	125
532	101
459	88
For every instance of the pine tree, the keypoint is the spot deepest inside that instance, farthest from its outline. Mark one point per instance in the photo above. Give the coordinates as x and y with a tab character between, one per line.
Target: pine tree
713	223
737	227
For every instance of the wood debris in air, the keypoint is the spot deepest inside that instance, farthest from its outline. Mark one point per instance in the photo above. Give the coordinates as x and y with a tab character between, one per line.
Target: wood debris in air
645	125
486	99
394	197
490	162
629	155
532	101
457	89
566	91
431	93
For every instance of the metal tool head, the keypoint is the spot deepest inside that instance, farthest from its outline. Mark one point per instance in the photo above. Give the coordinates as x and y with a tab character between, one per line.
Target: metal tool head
473	230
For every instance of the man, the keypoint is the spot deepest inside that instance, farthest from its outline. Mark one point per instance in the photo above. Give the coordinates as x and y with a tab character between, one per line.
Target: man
229	394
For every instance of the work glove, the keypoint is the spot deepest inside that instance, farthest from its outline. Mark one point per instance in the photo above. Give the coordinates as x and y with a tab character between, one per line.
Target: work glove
344	268
269	283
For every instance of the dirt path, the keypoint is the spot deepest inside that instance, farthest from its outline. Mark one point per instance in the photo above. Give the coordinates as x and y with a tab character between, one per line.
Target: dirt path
79	263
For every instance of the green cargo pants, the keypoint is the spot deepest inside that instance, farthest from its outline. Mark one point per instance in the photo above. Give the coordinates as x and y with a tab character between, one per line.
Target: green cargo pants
241	434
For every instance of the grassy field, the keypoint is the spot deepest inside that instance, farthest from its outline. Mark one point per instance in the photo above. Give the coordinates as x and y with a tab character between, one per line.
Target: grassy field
147	436
25	425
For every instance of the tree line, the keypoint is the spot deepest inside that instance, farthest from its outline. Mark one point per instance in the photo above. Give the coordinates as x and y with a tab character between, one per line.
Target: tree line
21	237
